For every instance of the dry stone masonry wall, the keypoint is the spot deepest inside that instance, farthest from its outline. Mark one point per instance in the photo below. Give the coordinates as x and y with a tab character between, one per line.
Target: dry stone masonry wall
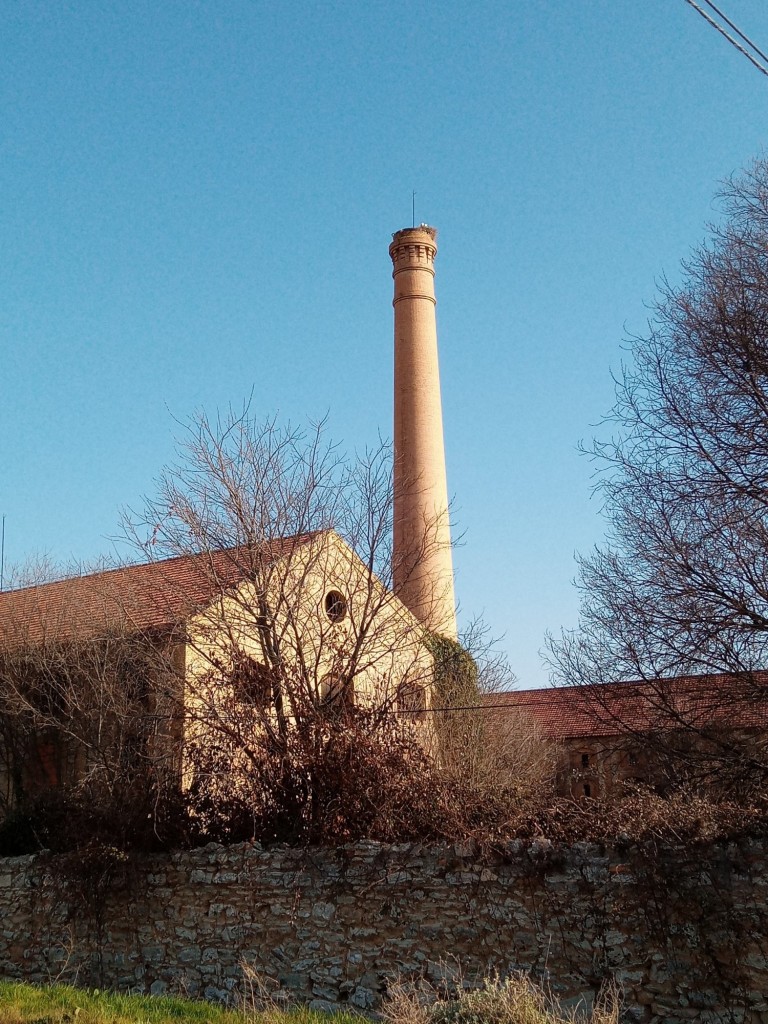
683	931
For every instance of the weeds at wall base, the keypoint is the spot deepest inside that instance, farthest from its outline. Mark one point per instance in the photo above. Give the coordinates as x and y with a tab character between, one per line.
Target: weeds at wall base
511	1000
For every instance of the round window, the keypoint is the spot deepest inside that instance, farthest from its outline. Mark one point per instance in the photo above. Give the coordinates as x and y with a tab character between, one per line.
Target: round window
335	606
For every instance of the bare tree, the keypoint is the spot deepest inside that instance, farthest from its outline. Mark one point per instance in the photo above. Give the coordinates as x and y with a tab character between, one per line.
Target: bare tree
681	586
304	654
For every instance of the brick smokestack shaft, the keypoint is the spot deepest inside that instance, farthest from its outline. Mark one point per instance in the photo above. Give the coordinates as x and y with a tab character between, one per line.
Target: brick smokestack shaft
422	563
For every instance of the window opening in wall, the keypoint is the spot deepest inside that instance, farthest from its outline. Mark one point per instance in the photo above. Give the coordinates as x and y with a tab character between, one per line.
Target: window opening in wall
587	789
411	697
337	694
252	681
335	606
584	760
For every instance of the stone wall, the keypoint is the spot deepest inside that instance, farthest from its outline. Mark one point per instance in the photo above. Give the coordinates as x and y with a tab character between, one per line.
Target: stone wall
683	930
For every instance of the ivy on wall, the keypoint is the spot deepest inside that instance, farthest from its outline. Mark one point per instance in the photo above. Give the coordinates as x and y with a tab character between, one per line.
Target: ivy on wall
455	673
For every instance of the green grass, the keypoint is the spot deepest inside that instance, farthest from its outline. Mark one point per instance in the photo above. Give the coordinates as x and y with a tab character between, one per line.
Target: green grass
62	1004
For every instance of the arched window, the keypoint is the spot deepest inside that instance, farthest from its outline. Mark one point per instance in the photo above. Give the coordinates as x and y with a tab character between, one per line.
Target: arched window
336	694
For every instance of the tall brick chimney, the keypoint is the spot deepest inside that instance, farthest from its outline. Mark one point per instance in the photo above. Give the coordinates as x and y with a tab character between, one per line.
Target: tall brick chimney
422	564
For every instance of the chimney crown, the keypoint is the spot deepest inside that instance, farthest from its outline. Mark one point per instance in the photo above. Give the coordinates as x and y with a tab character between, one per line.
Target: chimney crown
413	247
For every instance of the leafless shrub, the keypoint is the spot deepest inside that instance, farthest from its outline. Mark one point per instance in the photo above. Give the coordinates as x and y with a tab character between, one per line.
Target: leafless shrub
337	783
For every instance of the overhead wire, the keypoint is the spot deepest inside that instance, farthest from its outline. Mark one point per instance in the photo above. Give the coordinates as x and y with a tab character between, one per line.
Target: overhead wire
736	29
731	40
507	706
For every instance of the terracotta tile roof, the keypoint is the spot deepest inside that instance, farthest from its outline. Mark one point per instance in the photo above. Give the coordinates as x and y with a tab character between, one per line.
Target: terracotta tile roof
147	596
568	712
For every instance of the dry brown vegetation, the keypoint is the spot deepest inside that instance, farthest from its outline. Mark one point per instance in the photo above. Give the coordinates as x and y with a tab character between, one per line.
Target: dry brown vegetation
510	1000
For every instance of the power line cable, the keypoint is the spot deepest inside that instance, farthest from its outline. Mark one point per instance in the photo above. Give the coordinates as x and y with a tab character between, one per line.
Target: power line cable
736	29
730	39
469	707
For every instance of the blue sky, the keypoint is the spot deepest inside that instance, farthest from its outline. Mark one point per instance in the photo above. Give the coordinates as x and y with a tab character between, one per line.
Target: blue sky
196	201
